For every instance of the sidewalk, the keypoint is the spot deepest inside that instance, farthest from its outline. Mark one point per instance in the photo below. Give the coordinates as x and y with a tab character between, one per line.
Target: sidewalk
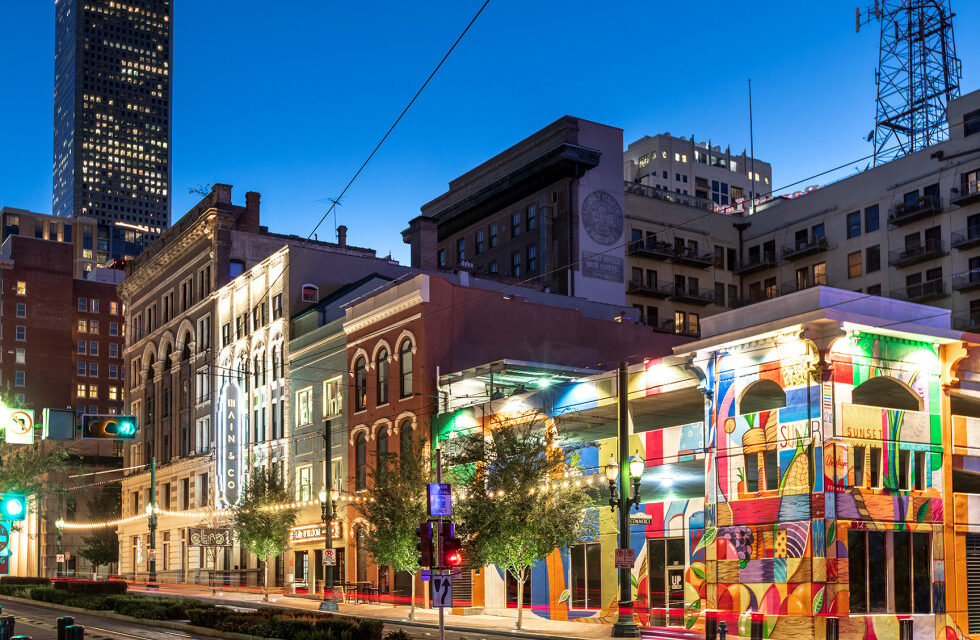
534	626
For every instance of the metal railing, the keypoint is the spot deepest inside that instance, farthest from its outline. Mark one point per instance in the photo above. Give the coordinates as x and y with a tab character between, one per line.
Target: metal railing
917	253
908	211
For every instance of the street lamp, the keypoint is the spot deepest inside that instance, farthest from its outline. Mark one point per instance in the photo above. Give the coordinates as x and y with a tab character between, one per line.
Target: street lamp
327	510
60	525
636	466
151	517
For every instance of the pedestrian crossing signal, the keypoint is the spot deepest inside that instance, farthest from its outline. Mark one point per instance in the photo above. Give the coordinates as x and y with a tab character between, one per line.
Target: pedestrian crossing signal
13	506
109	427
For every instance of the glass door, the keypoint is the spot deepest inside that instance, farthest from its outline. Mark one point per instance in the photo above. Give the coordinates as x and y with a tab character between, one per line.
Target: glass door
666	560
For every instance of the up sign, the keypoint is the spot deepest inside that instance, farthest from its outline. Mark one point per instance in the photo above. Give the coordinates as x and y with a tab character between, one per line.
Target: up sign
229	444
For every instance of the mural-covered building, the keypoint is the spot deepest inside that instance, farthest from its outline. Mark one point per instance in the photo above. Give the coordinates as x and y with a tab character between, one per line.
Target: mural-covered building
798	472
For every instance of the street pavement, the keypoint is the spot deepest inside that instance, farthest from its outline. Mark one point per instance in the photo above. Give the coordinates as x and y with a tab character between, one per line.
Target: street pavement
40	623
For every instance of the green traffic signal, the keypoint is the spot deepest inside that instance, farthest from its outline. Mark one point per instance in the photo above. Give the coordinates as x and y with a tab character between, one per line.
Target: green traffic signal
109	427
13	506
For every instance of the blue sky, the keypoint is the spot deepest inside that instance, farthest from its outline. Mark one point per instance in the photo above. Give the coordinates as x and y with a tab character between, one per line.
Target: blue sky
290	102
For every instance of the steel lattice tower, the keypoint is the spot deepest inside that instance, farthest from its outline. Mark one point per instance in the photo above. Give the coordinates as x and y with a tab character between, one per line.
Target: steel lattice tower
918	74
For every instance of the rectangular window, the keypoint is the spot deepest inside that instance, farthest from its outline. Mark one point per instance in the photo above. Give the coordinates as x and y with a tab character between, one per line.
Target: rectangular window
919	471
81	390
21	288
113	393
94	305
854	264
441	258
304	406
493	236
113	328
113	371
225	334
18	378
752	472
304	482
819	234
871	218
854	224
20	356
492	268
515	224
585	575
874	467
857	558
20	332
114	308
82	344
904	456
872	258
81	369
93	369
93	391
772	469
333	400
478	245
858	454
203	386
515	264
83	304
277	306
532	258
21	310
531	217
93	348
203	435
93	326
82	326
820	273
113	350
461	250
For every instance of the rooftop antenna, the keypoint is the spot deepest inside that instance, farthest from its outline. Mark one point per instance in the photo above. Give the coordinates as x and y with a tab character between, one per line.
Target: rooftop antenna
334	202
918	74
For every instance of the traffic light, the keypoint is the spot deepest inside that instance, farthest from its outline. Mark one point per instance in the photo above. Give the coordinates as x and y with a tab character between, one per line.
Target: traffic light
109	427
452	557
424	544
13	506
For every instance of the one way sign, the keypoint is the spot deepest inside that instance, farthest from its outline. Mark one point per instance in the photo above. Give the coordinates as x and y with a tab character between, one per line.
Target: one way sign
442	591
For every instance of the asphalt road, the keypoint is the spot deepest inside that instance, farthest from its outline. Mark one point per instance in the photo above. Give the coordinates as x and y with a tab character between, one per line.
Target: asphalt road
40	623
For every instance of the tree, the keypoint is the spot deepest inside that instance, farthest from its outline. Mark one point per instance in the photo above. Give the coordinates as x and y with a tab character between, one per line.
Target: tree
260	520
520	497
102	547
398	485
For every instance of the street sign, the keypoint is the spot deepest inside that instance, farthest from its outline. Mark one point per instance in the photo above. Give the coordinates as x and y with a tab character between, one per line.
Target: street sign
18	426
61	557
4	565
440	499
330	557
442	591
641	518
4	538
625	558
59	424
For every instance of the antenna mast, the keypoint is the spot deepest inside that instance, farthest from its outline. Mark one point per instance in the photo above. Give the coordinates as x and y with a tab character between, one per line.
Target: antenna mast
918	74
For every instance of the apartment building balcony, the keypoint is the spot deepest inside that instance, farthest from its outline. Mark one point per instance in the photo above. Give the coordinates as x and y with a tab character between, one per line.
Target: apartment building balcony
650	289
925	206
669	326
810	247
668	196
692	295
793	288
917	253
651	248
691	257
967	280
922	292
759	263
759	296
966	193
966	321
966	238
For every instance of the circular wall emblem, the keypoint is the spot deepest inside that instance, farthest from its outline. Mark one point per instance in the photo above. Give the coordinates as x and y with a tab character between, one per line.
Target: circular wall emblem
602	217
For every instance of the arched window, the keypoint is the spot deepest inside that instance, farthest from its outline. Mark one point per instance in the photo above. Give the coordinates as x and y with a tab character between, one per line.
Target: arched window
360	384
275	362
361	554
360	462
405	439
243	372
405	366
762	395
256	369
383	445
166	358
310	293
882	391
382	375
262	366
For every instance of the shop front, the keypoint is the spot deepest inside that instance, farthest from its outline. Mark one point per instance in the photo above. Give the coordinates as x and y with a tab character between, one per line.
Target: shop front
308	570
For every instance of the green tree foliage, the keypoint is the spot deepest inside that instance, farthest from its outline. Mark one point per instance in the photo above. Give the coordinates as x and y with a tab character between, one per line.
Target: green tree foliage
505	517
102	547
398	485
260	528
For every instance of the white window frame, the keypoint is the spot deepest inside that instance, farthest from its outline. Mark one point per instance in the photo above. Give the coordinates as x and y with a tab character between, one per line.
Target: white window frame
304	406
333	398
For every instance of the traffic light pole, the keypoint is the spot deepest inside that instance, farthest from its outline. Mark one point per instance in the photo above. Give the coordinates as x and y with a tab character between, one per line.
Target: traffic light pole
152	521
442	615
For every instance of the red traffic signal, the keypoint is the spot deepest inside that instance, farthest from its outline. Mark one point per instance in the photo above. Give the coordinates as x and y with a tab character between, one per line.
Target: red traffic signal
452	557
424	544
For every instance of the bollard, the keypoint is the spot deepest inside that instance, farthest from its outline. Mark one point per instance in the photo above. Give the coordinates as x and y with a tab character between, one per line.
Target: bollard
711	625
755	630
905	629
75	632
6	627
63	623
833	628
722	630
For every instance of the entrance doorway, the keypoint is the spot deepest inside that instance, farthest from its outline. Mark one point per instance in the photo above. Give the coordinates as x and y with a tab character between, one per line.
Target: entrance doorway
666	581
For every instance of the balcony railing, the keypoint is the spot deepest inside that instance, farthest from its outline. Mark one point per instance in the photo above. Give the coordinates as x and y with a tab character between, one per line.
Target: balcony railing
689	256
917	253
922	292
810	247
692	295
667	196
650	289
926	205
966	321
966	193
758	263
651	248
758	296
967	280
966	238
669	326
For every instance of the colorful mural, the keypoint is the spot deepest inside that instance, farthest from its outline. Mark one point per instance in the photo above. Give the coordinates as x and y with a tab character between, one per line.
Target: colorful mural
803	453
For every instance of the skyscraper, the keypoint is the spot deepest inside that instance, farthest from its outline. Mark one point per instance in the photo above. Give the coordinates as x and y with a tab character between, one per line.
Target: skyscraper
112	90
